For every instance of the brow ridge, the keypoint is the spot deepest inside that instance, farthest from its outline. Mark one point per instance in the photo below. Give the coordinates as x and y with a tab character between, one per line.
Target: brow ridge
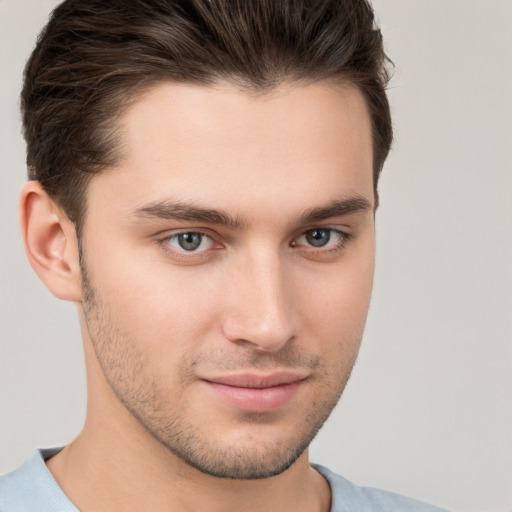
171	210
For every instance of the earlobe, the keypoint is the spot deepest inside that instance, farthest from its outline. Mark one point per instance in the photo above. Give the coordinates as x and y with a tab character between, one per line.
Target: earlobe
50	242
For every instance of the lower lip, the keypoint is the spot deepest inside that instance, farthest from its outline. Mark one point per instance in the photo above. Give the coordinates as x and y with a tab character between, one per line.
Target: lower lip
256	399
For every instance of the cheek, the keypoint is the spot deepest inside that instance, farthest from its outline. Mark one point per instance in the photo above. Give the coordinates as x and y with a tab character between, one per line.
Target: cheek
335	302
156	305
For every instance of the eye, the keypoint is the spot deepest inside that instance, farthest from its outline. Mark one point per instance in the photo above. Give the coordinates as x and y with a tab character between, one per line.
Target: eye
190	241
318	237
321	238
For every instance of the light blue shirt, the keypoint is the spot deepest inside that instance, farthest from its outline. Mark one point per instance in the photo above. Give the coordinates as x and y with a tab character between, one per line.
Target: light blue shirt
32	488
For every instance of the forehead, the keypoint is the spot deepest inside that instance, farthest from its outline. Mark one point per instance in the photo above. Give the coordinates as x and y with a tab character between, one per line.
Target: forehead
225	147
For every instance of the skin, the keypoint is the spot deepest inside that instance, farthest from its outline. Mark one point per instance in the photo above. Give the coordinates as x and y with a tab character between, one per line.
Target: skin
256	297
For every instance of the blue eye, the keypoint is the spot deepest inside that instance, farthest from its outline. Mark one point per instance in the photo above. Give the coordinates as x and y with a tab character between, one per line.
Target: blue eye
318	237
190	241
322	238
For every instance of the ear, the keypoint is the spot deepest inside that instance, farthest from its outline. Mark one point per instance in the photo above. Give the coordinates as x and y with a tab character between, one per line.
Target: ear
50	242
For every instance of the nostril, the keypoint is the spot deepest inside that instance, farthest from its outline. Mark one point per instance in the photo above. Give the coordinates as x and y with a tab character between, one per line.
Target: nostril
260	335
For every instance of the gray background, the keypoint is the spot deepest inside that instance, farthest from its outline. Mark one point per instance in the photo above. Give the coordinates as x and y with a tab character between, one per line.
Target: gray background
428	412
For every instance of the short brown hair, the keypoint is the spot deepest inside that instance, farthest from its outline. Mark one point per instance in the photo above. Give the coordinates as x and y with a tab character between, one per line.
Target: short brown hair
94	56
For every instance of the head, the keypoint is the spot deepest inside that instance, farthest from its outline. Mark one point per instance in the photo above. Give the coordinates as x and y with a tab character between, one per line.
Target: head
212	167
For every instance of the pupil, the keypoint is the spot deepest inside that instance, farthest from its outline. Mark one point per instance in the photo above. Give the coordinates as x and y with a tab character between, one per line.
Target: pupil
318	237
189	241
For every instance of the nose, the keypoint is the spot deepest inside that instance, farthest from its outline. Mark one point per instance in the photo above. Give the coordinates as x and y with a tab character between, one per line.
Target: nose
259	308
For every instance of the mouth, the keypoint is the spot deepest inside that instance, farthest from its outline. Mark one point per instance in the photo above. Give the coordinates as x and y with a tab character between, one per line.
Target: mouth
254	392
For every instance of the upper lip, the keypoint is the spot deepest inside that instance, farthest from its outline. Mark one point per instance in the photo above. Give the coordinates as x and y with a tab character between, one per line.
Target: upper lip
257	381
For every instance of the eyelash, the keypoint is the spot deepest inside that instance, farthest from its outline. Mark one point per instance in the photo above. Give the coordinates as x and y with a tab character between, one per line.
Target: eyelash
343	239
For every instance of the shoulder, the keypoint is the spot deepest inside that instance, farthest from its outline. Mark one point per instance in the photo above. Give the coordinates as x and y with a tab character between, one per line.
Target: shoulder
348	497
32	488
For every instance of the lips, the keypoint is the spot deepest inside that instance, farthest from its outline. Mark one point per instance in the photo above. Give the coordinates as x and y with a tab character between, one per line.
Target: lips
256	393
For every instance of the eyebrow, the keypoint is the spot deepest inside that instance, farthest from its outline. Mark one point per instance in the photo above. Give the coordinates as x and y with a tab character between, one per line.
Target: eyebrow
337	208
170	210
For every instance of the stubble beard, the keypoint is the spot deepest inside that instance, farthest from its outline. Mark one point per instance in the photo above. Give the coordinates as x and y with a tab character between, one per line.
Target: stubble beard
131	380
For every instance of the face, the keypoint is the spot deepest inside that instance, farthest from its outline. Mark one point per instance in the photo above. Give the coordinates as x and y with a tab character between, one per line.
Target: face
227	268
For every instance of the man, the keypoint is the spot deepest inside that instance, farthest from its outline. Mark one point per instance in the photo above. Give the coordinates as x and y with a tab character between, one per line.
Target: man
203	184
